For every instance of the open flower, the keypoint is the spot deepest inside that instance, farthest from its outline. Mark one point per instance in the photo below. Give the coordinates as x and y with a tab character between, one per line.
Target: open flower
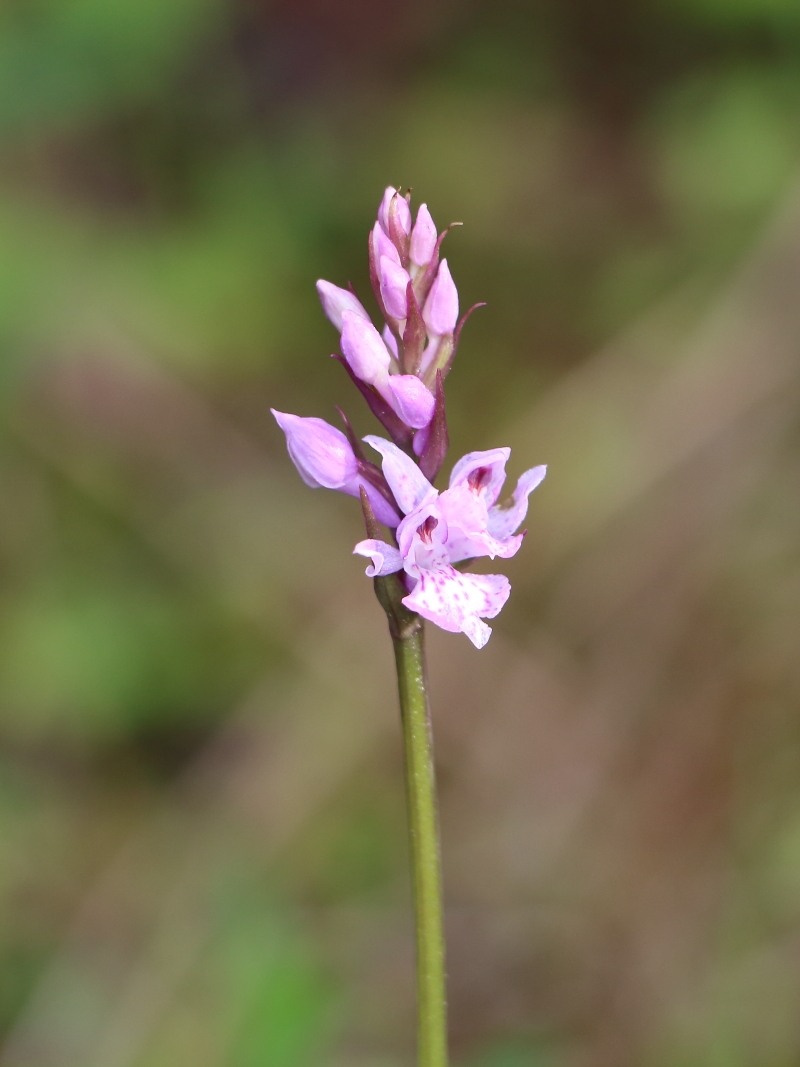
442	529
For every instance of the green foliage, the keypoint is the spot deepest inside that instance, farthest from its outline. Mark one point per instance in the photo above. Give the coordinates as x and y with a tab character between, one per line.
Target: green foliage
282	1002
65	62
729	142
518	1054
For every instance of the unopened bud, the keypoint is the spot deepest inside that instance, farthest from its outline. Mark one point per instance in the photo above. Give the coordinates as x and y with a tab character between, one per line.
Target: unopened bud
321	453
325	459
440	312
369	360
363	349
401	207
383	246
335	301
394	282
410	399
423	238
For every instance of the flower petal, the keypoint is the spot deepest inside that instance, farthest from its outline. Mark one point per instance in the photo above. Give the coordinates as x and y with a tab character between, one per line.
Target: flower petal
465	517
422	537
484	472
409	398
503	521
386	559
406	480
457	601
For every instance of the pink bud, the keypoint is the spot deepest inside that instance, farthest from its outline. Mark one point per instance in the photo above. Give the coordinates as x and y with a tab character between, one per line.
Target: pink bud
383	246
423	238
325	459
321	453
410	399
401	206
394	282
335	301
441	308
363	349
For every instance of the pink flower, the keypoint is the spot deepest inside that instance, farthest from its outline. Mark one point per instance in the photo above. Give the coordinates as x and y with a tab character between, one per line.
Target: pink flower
441	529
325	459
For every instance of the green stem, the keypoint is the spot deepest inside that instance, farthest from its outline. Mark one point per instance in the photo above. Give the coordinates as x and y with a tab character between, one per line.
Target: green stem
407	633
424	837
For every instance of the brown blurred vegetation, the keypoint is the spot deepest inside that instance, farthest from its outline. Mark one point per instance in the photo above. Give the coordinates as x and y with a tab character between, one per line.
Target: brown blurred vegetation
202	846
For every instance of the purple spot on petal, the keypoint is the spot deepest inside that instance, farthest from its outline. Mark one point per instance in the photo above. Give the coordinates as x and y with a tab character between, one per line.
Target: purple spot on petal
479	478
425	529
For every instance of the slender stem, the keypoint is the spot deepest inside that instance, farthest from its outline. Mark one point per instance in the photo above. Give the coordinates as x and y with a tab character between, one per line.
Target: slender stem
407	633
424	838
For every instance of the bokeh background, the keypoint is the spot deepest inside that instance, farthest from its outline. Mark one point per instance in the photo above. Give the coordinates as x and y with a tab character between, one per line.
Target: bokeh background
202	840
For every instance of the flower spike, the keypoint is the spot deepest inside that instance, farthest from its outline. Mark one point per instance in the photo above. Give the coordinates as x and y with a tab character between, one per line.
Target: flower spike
400	373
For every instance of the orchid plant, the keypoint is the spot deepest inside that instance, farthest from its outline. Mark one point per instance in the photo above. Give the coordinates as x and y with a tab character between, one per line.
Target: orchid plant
419	564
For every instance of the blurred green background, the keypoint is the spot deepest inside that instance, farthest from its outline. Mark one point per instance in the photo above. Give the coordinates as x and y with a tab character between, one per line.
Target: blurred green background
202	837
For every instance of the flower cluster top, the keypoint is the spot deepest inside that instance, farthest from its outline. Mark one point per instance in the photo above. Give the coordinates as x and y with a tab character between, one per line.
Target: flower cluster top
400	373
